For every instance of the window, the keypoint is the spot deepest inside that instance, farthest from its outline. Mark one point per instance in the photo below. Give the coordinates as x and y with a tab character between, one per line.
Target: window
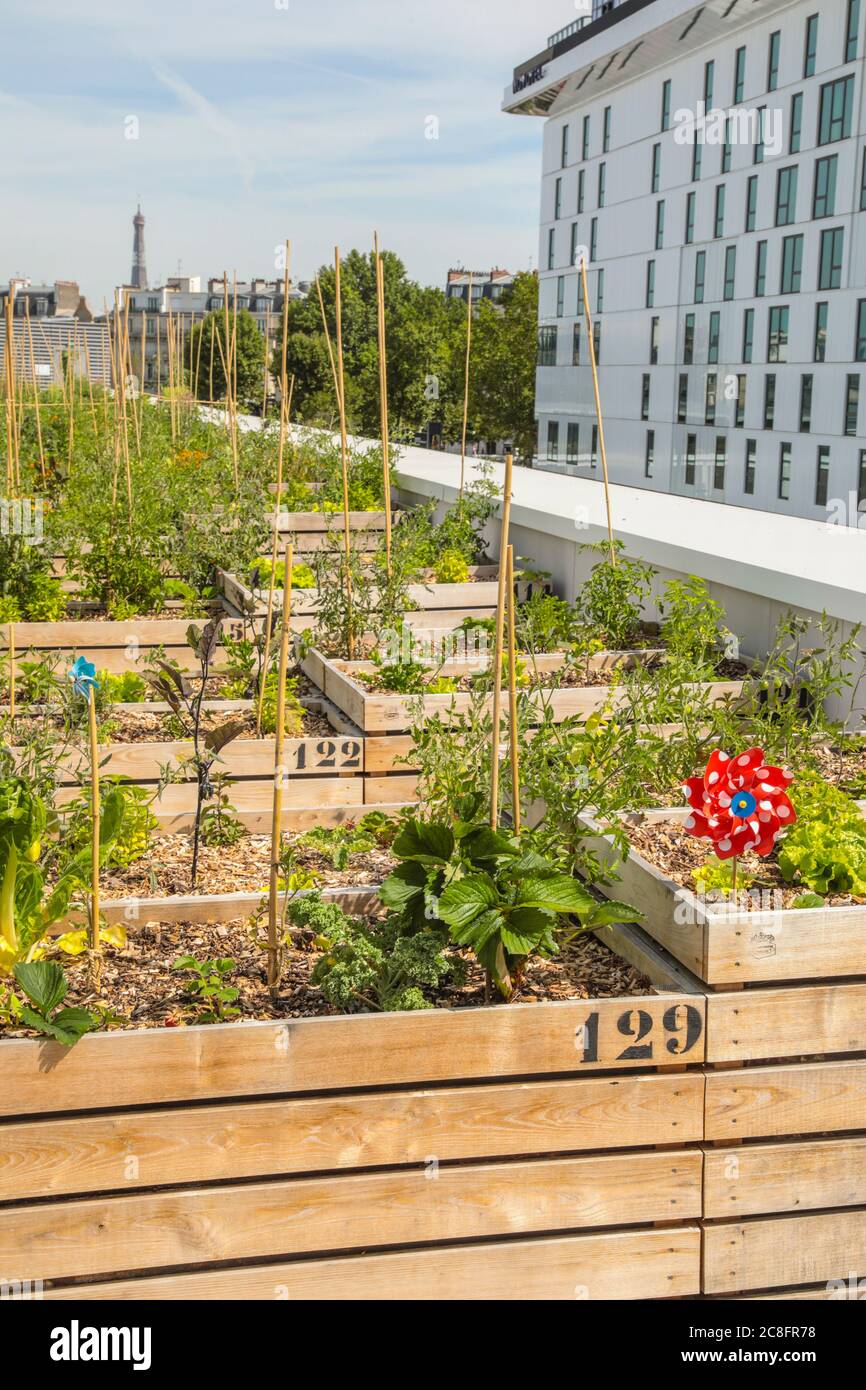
700	272
572	442
777	341
697	160
806	383
759	143
830	259
580	188
553	439
655	174
786	196
551	249
860	342
560	296
769	400
861	481
760	269
739	75
689	340
863	183
547	346
751	202
655	324
792	265
822	475
691	452
726	149
834	116
713	340
593	238
572	254
650	283
650	453
719	218
690	218
596	339
575	345
710	399
784	472
593	452
811	46
666	105
851	30
796	123
749	473
820	345
585	139
645	396
602	172
660	224
773	61
599	291
605	131
709	78
748	333
719	464
852	405
824	196
557	200
730	272
682	398
740	410
564	151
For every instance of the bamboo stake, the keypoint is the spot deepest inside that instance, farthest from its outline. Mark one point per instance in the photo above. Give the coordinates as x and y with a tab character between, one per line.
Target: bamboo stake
383	397
95	948
512	696
10	395
11	642
265	374
466	387
197	359
500	641
598	413
36	390
279	773
285	407
89	370
344	455
328	342
158	359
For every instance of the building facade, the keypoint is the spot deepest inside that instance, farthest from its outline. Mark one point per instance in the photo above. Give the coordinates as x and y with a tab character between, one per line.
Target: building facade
708	162
486	284
52	324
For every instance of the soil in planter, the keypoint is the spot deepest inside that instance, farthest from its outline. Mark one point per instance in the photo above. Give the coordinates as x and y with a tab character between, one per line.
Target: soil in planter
570	677
667	846
240	868
140	985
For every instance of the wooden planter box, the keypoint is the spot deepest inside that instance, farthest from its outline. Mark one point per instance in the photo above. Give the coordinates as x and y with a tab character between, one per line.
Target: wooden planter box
382	714
311	531
451	603
117	647
501	1153
724	945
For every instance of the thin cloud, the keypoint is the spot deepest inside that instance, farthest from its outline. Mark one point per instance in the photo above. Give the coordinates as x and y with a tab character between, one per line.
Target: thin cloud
212	119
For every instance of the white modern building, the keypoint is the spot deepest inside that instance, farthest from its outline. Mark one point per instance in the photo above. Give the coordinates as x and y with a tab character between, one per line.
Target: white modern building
710	160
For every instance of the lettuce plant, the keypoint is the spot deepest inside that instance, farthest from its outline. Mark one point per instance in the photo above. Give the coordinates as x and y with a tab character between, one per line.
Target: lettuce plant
826	849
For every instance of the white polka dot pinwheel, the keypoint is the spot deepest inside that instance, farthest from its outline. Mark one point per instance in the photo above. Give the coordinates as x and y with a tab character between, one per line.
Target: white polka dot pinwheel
740	804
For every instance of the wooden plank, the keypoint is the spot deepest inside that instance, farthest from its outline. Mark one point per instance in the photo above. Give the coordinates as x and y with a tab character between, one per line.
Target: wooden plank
260	1139
759	1179
204	907
834	1291
243	759
379	791
251	800
295	818
816	1098
782	1250
430	1203
384	753
362	1051
615	1265
799	1021
133	635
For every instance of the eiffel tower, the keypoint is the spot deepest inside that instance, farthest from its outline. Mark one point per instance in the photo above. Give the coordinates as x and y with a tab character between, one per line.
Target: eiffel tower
139	268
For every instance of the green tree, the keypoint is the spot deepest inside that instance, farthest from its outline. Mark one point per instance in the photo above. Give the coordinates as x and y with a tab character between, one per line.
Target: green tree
250	350
502	366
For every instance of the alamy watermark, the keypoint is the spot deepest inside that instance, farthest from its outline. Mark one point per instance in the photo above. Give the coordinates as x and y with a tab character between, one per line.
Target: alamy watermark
741	126
23	516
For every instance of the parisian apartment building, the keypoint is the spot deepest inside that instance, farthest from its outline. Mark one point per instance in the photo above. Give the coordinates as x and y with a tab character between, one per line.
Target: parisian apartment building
53	326
707	163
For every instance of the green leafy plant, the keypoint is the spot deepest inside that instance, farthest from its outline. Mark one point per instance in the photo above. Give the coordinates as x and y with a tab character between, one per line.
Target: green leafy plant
212	998
46	986
825	850
294	715
220	827
717	876
489	891
338	844
303	577
612	598
544	624
126	688
693	626
451	568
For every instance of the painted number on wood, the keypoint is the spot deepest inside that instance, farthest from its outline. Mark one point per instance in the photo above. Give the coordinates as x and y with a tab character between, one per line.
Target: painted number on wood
328	754
639	1035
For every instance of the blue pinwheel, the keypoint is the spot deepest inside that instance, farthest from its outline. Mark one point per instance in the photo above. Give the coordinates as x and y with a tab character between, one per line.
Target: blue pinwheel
83	677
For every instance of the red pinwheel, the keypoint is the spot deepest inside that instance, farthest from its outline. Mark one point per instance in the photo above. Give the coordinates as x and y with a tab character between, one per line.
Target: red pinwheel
740	804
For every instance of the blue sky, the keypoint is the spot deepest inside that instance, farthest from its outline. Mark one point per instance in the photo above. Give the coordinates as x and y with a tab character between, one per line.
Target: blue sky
258	120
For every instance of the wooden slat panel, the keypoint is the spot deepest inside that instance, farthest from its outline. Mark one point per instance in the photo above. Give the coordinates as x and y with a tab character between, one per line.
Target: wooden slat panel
813	1098
794	945
314	1054
784	1250
759	1179
104	1236
86	633
54	1157
382	754
799	1021
617	1265
245	758
204	907
380	791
